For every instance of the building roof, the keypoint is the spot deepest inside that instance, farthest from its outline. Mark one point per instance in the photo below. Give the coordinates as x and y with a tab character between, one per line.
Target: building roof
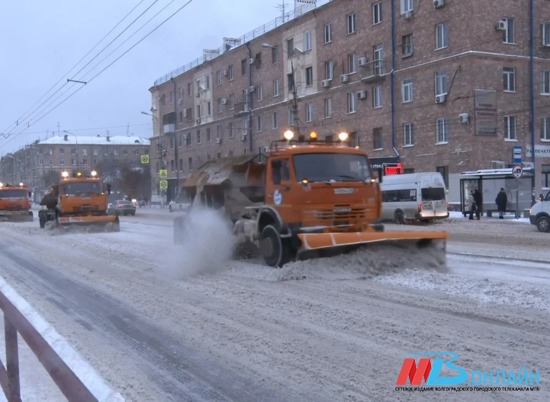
95	140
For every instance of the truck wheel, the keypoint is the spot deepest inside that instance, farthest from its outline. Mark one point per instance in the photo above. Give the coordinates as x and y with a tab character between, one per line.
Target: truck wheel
399	217
42	220
543	224
276	251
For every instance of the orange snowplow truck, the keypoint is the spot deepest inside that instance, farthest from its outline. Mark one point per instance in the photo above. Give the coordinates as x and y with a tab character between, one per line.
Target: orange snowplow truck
80	200
15	203
307	198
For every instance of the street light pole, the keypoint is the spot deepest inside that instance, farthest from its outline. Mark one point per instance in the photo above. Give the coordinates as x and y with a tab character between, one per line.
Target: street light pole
175	139
294	89
76	143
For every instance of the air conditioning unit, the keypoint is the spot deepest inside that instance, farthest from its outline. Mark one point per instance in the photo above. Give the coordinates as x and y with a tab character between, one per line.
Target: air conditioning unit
224	101
225	72
464	118
218	140
408	14
441	98
439	3
243	137
501	25
198	121
344	78
325	83
251	89
498	165
363	61
265	149
251	60
180	101
362	95
185	113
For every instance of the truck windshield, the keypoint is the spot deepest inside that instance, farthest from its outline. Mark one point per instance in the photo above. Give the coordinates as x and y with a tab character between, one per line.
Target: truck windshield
13	194
81	188
331	167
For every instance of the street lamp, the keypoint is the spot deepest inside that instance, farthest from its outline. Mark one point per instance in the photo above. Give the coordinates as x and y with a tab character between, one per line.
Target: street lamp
76	142
294	110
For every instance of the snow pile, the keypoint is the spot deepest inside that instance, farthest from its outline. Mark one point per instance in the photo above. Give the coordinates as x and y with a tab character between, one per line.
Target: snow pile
208	244
367	262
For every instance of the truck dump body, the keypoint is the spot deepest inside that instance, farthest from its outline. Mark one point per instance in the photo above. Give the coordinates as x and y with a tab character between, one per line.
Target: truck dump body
15	204
303	198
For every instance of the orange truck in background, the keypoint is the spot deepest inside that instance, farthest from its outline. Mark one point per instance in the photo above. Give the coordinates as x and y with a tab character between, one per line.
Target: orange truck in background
15	203
307	198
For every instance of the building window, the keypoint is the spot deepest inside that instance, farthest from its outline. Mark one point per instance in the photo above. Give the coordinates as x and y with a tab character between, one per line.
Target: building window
407	6
407	45
190	163
407	90
308	41
545	128
309	76
231	101
328	33
508	33
329	70
230	72
327	103
351	63
219	131
509	79
510	128
377	13
408	136
441	131
230	132
545	87
219	77
260	93
441	36
378	59
274	120
350	23
545	33
377	97
309	112
208	136
441	82
351	102
377	138
276	88
258	123
274	54
290	46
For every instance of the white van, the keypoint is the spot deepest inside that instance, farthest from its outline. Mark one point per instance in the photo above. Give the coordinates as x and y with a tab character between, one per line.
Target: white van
413	197
539	214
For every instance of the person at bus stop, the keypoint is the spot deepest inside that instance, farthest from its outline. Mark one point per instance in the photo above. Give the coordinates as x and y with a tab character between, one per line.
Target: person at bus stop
475	204
501	201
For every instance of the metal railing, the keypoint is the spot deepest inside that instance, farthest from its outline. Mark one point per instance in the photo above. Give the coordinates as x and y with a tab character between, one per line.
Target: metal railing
65	379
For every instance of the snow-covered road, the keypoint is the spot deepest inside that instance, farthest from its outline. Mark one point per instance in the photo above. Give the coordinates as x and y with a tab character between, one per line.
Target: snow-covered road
161	322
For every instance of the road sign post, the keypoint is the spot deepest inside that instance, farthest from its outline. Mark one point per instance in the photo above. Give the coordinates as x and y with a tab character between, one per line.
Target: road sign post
517	171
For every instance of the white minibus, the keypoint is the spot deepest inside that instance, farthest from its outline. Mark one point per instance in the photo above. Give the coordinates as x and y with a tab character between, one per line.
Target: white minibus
414	197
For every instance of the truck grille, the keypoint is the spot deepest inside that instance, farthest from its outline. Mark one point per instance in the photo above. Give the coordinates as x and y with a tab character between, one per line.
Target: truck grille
339	218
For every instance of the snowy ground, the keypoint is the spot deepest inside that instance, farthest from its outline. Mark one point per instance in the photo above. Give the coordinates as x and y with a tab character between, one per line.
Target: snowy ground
191	324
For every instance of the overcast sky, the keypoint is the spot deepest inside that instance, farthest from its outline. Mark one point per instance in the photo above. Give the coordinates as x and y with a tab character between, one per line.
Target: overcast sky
44	43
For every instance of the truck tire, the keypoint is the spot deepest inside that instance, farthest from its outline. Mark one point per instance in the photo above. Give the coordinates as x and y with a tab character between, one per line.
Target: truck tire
276	251
543	224
42	219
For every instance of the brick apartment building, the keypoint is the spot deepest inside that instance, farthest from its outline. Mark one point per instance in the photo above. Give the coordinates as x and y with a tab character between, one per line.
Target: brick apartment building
33	163
447	85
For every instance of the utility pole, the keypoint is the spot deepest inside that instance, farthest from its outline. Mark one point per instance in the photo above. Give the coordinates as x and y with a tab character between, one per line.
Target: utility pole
175	139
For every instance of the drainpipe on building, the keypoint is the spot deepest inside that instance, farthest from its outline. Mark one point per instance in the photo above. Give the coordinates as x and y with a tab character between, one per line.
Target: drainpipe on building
175	139
249	101
532	84
392	79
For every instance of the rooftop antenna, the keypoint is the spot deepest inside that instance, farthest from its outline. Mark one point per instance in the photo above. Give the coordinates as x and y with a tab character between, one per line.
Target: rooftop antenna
282	7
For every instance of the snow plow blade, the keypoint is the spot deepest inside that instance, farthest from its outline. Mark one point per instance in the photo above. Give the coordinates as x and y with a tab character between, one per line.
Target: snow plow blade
312	242
106	222
25	216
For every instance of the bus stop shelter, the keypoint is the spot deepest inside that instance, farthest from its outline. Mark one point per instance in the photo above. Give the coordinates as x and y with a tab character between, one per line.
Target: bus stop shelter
489	182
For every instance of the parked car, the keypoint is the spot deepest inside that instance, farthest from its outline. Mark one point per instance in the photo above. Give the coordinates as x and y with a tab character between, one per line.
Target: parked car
539	214
122	207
